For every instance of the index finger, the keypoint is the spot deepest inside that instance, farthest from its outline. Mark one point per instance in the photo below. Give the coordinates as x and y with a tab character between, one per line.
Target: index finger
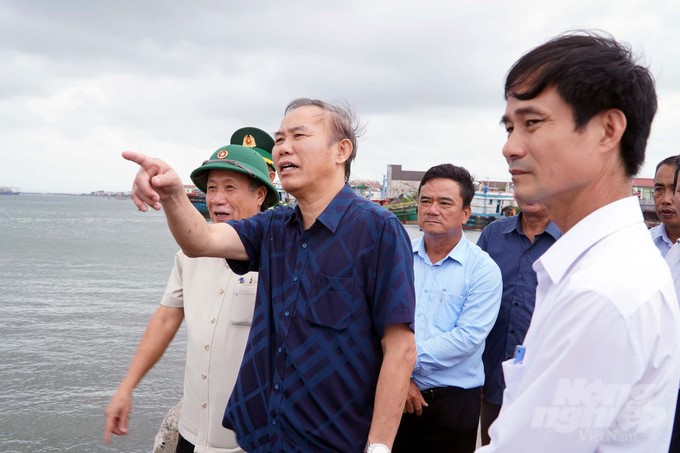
140	159
108	427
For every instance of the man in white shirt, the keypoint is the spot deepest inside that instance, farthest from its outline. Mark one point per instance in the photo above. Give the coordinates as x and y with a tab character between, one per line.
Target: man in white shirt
599	367
667	232
217	305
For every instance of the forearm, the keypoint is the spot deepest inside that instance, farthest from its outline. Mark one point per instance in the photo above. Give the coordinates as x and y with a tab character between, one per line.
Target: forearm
393	382
467	334
186	224
196	237
448	349
160	331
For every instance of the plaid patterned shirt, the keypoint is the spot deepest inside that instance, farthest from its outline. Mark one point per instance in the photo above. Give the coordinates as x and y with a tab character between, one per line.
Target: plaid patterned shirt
325	295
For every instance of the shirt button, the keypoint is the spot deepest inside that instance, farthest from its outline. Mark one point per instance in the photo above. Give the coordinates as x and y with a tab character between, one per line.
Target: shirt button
277	386
515	304
280	349
274	422
221	291
212	321
207	347
204	405
512	331
295	279
286	313
204	376
304	245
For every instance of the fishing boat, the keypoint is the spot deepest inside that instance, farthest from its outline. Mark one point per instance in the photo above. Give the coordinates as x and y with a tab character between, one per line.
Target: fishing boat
487	205
197	198
9	191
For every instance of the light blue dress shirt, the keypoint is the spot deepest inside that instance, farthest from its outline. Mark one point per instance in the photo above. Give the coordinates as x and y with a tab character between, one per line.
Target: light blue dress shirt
661	239
673	260
457	301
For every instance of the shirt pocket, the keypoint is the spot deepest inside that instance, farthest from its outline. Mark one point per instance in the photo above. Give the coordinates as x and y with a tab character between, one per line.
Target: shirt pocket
331	305
242	305
449	306
513	373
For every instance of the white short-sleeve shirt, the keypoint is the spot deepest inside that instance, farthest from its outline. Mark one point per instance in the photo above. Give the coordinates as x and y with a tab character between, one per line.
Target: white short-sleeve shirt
218	309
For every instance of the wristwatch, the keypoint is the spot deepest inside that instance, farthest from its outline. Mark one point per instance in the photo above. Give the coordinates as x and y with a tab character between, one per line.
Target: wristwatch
376	448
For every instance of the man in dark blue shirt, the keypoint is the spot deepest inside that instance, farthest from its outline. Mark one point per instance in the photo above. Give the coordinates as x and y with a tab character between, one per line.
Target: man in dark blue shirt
331	346
514	243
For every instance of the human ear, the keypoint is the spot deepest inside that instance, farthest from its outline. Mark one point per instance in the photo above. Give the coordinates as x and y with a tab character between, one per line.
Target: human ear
614	125
344	150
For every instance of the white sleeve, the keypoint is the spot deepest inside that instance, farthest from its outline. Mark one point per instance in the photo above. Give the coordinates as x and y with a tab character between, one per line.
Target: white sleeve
174	294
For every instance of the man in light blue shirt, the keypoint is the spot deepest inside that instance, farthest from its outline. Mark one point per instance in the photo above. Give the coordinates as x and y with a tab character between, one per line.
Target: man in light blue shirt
673	260
668	231
458	294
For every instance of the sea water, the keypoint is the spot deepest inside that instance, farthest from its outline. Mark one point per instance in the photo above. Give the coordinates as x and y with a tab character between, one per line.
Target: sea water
79	278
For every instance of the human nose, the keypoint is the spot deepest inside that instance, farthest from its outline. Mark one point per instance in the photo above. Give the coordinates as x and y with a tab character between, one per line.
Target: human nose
432	208
513	148
219	196
668	196
281	147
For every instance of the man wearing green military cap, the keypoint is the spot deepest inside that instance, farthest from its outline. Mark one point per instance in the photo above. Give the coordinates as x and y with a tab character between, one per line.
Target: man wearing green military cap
258	140
217	305
239	159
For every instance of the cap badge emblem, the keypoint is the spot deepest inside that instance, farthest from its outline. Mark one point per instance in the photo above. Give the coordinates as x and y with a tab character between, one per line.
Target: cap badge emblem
222	154
249	141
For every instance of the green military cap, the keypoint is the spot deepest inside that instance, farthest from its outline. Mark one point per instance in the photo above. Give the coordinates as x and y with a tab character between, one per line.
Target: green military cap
240	159
256	139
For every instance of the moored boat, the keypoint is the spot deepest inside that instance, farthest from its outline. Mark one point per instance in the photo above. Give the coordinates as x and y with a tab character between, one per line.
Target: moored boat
9	191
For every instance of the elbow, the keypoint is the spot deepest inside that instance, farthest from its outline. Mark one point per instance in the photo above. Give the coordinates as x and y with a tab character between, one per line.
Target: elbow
407	352
191	252
399	346
410	354
195	247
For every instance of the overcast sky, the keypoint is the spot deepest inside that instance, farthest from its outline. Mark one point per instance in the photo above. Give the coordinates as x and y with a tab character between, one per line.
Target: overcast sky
81	81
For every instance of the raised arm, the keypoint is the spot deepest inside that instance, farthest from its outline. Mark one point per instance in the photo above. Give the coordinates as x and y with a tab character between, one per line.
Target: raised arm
156	185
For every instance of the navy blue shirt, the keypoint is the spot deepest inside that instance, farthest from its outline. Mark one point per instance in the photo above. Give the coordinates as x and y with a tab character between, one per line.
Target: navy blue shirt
324	297
507	245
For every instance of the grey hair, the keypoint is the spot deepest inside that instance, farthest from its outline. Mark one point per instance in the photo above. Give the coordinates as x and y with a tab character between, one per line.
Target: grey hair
344	124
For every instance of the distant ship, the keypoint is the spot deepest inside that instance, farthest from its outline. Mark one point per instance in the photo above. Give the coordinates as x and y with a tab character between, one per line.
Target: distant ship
9	191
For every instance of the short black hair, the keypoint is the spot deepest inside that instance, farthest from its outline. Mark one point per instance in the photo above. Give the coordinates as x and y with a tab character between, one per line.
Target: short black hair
593	73
670	160
459	174
677	169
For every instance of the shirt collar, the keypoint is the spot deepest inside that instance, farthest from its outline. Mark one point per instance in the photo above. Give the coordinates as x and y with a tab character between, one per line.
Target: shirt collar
660	234
516	225
457	253
512	224
553	231
334	212
599	224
